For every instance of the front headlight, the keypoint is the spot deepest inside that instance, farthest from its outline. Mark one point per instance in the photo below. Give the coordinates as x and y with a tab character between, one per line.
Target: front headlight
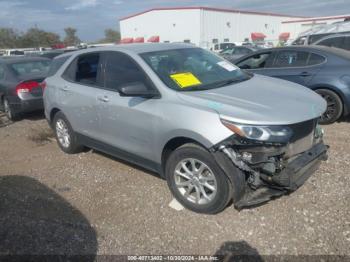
276	134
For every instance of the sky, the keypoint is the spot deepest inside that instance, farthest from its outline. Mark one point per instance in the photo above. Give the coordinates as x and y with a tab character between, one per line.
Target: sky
92	17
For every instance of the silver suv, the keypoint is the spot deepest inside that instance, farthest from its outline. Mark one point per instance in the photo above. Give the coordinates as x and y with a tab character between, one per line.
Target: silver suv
215	132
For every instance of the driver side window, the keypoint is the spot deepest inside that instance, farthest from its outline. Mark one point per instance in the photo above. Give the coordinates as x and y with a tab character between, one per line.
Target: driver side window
121	70
257	61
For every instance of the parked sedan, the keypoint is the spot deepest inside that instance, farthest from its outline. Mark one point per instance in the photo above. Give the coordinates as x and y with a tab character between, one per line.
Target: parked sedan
21	84
322	69
236	52
215	132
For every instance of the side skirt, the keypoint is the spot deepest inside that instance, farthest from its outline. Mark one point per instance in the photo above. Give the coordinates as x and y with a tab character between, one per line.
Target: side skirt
119	153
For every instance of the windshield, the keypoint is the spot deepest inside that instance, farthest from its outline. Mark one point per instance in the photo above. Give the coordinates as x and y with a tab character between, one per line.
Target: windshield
193	69
227	51
27	68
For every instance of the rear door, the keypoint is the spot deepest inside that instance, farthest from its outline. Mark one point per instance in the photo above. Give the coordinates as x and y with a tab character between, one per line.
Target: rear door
77	94
296	66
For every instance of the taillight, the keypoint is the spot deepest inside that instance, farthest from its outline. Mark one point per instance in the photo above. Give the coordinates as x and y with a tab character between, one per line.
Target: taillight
27	87
42	85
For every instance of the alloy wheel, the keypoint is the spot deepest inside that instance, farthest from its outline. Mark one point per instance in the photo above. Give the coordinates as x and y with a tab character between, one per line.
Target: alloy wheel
62	132
195	181
332	109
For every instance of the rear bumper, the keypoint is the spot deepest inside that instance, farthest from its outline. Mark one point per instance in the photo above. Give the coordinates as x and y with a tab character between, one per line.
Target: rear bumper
30	105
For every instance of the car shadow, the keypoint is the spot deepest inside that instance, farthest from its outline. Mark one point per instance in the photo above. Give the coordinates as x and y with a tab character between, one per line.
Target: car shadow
237	251
36	221
33	116
345	119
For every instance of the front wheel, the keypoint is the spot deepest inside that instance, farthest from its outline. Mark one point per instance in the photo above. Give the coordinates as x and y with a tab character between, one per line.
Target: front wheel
196	180
334	106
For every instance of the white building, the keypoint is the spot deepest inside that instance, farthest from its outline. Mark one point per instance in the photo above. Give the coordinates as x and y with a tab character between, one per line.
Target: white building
298	26
202	26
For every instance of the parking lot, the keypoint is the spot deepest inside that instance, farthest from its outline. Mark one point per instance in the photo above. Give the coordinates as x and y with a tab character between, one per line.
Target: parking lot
90	203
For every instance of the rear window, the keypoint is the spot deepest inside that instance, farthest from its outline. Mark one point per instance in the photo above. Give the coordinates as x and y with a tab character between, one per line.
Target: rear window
291	59
333	42
32	67
56	64
85	70
16	52
347	43
315	59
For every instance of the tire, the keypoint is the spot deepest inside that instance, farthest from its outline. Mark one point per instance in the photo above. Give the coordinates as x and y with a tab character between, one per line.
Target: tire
65	135
190	154
334	106
8	110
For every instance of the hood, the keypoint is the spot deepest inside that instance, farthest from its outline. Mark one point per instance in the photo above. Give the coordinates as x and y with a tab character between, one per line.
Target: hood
260	100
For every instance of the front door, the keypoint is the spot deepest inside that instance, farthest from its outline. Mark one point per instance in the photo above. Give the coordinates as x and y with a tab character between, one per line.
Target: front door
127	123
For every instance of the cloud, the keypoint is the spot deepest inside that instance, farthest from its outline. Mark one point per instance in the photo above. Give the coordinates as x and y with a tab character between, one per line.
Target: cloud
92	17
82	4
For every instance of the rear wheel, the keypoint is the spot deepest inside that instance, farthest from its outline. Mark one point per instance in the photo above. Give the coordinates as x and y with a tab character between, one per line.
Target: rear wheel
65	136
10	114
334	106
196	180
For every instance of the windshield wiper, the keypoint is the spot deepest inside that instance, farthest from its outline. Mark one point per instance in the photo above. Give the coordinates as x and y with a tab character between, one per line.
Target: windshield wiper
227	82
216	84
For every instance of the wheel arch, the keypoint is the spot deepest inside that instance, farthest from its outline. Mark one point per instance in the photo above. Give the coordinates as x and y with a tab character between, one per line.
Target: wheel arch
172	144
338	92
2	98
235	176
53	112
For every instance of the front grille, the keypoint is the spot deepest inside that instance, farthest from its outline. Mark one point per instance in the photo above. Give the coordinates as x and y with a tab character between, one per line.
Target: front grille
303	137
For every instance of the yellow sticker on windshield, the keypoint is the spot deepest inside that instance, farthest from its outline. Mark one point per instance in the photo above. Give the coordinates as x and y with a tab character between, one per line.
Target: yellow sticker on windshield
185	79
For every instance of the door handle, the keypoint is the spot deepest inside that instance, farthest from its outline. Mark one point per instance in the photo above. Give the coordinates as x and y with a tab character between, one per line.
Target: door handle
305	74
103	98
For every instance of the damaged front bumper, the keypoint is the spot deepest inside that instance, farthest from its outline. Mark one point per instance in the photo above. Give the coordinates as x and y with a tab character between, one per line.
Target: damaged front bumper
289	179
270	171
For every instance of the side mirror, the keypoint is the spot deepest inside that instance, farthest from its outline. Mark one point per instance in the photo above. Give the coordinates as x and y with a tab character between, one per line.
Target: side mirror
137	89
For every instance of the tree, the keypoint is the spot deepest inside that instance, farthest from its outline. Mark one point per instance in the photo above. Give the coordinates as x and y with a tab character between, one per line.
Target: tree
8	38
111	36
71	38
35	37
